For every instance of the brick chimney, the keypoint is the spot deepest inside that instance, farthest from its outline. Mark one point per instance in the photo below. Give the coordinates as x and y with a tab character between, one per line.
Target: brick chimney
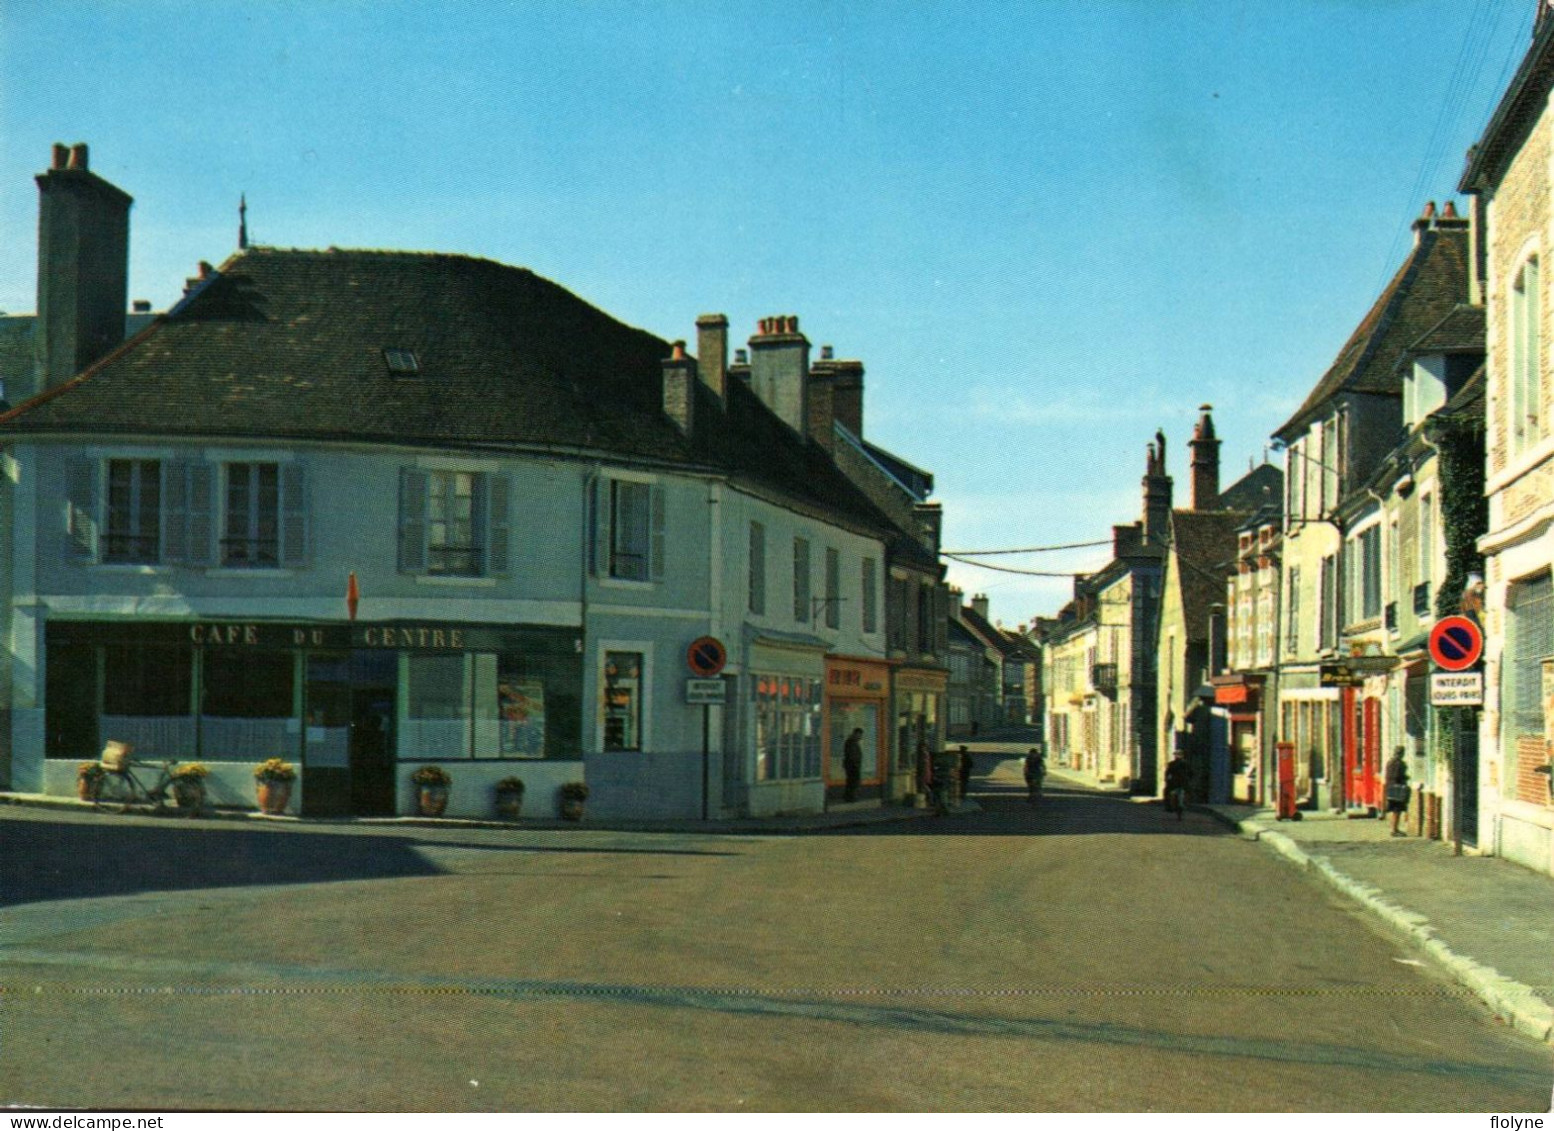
1157	495
979	605
835	396
680	389
779	369
1205	462
712	353
83	267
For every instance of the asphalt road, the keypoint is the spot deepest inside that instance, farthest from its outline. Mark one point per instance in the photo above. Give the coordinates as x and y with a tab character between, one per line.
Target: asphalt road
1089	954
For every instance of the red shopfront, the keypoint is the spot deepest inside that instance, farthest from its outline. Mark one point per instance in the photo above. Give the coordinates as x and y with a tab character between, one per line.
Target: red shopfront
857	697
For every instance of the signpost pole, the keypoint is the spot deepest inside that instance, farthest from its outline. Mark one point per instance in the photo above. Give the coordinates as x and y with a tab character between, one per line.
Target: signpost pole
706	758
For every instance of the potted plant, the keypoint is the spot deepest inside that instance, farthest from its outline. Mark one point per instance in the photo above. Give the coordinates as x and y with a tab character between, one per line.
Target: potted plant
431	784
509	798
272	784
89	780
573	794
189	785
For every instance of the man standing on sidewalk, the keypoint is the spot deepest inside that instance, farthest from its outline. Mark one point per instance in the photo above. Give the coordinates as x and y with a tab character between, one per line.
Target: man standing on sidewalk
852	763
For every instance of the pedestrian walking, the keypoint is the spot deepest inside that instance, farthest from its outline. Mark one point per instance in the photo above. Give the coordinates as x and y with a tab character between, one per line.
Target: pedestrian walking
1398	790
924	768
967	764
852	763
1176	776
1035	770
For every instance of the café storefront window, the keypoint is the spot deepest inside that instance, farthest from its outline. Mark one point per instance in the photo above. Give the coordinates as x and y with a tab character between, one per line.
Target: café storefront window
236	692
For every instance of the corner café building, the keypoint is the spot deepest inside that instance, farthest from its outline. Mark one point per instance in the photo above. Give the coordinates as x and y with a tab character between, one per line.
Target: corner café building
356	706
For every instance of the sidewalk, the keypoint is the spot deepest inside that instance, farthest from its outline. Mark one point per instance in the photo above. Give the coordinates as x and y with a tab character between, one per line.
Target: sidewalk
839	817
1488	922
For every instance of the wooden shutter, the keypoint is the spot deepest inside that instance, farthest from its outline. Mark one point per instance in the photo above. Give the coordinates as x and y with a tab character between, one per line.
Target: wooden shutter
496	525
81	508
412	520
599	525
294	515
175	512
656	533
201	512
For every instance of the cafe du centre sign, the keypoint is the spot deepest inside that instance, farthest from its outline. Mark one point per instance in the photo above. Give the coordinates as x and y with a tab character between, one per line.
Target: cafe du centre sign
273	635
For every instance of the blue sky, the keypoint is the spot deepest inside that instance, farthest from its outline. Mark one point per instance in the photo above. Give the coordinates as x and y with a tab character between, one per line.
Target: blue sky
1047	229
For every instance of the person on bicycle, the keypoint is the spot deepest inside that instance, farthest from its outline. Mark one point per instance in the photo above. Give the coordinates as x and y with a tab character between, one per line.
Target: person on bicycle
1176	784
1035	770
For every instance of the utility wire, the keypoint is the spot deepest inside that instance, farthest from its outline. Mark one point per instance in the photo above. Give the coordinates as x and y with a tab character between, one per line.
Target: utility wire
1025	550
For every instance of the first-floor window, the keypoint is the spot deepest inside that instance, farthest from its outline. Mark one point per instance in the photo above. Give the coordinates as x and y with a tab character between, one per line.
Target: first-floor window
452	523
787	727
134	514
251	533
801	579
870	597
623	701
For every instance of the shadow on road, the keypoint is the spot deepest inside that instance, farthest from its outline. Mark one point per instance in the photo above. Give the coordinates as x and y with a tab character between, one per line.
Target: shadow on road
43	860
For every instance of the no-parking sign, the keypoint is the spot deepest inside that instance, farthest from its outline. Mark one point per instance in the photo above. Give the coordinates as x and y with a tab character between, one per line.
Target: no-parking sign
1456	643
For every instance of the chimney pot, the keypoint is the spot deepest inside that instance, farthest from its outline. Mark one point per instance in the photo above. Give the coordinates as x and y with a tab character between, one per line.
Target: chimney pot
79	157
679	346
205	269
141	306
741	357
1450	211
827	353
61	155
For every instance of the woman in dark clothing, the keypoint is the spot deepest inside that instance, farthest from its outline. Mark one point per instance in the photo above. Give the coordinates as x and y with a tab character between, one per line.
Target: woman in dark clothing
1397	789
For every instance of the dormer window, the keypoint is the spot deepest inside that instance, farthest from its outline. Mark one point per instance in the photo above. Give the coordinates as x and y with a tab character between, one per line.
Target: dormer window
401	363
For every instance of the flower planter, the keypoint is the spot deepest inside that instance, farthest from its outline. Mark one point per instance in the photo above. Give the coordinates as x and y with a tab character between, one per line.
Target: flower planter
509	803
190	795
274	796
88	788
432	800
571	809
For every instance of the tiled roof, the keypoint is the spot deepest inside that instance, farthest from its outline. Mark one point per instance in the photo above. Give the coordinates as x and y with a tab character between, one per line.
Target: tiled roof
1260	486
1461	331
1429	285
16	352
1524	101
1469	400
289	345
1203	544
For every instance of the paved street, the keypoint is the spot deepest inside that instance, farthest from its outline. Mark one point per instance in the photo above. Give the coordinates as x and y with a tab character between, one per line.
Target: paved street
1091	954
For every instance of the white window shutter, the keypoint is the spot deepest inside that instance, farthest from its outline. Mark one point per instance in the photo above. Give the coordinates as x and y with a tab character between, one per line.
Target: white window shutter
412	520
201	513
81	508
497	525
599	525
656	559
294	515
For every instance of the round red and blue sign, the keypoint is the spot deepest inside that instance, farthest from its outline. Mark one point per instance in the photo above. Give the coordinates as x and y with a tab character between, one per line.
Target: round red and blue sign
1456	643
706	656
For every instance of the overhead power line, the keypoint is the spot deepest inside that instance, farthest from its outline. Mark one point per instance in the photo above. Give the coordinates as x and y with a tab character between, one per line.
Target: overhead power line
1024	550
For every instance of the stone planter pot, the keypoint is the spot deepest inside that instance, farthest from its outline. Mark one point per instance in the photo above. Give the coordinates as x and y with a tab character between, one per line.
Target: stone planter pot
274	796
432	800
571	809
88	788
190	794
509	803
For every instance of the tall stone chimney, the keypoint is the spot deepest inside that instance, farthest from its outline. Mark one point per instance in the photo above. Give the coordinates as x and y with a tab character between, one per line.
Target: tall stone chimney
712	353
779	369
1205	462
1157	495
680	389
83	267
979	605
